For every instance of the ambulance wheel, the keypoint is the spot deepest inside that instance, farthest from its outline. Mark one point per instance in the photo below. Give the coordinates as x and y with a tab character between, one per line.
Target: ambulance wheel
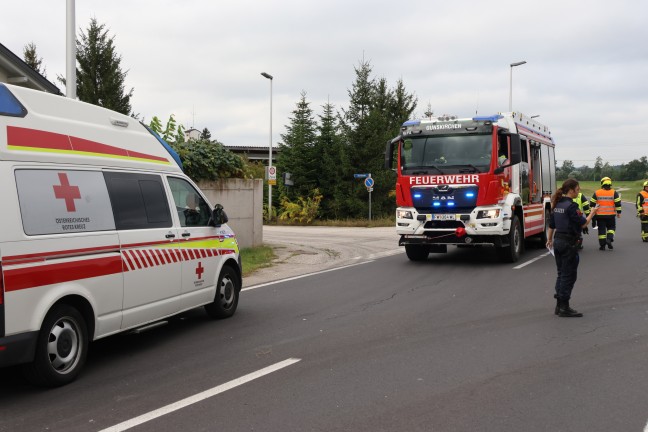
417	252
512	252
61	348
227	294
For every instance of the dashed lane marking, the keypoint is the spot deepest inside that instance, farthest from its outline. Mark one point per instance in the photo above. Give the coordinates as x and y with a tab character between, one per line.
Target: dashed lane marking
200	396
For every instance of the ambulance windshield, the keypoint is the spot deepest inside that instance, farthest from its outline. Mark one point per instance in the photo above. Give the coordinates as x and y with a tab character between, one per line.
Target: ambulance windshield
449	154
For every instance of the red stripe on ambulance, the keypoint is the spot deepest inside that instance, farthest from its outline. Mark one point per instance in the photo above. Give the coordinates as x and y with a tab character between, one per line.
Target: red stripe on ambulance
30	277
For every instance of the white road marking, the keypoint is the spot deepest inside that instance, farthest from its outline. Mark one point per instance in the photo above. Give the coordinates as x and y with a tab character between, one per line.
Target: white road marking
200	396
302	276
531	261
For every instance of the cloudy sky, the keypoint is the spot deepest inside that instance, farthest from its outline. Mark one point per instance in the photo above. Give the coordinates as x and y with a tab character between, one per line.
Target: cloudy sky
586	74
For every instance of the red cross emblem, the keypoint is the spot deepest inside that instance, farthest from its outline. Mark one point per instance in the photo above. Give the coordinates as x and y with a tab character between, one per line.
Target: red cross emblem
67	192
200	270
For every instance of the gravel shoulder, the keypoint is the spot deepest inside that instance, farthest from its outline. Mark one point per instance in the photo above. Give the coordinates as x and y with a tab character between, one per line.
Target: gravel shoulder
302	250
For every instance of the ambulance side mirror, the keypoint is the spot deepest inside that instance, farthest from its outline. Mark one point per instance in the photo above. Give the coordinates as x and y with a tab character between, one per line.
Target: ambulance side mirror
219	217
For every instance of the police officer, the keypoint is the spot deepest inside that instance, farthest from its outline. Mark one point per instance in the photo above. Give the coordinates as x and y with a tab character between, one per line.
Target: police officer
642	210
565	226
609	203
584	207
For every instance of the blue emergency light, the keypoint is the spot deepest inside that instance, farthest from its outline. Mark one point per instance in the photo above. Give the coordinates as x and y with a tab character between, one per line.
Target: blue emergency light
9	105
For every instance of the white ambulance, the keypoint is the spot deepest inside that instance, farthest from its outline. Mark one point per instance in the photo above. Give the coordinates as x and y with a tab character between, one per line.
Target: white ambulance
100	232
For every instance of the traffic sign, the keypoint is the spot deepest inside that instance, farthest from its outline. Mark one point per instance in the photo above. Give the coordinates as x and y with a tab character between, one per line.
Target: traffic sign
358	176
369	182
272	175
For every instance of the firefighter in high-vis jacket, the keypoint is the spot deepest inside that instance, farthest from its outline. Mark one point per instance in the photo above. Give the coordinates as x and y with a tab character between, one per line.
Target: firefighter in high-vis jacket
584	207
642	210
609	209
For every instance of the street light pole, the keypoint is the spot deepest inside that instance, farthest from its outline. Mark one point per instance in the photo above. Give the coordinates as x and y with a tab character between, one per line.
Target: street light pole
511	84
70	51
268	76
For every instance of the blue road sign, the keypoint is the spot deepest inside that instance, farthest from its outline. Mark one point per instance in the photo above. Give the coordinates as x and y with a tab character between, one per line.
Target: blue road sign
360	175
369	182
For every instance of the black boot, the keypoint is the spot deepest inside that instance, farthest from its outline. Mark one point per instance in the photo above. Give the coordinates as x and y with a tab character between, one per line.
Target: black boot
557	309
567	312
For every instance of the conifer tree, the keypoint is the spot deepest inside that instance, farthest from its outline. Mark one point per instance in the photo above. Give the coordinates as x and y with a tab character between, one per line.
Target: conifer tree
31	58
374	116
297	150
100	79
334	166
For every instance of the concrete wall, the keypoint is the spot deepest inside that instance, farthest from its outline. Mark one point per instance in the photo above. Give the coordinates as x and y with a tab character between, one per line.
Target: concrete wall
243	203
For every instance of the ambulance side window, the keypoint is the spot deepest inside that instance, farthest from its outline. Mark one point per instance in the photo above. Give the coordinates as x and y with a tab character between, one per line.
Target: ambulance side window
138	201
56	201
192	209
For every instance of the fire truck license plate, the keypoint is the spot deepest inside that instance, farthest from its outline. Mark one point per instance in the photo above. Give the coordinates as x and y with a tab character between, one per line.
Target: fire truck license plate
442	217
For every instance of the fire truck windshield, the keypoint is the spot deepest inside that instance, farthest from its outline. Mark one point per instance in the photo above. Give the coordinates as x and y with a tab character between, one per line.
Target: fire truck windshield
451	154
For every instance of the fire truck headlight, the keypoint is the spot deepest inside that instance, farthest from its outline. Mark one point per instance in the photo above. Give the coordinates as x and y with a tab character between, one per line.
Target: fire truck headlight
488	214
404	214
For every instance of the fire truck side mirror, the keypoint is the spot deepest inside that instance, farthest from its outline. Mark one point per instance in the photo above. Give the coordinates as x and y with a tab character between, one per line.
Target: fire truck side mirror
389	154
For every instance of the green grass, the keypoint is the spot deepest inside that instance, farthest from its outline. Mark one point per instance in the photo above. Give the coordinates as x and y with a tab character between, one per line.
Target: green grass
255	258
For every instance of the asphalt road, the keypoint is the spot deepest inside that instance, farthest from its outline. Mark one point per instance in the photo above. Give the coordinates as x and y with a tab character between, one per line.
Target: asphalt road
458	343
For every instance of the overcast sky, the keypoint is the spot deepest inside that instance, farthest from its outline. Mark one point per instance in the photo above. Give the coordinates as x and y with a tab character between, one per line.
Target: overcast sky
586	74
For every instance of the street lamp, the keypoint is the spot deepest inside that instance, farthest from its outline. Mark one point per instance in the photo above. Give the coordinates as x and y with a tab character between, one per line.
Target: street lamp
511	84
268	76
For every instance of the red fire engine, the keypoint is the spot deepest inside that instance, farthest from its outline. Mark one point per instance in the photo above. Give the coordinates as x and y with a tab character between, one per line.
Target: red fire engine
472	181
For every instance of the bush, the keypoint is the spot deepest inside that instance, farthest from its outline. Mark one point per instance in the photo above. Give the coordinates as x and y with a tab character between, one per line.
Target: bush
304	210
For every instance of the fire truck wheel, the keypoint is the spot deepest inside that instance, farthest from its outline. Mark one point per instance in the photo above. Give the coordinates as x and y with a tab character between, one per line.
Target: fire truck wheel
61	348
511	253
417	252
227	294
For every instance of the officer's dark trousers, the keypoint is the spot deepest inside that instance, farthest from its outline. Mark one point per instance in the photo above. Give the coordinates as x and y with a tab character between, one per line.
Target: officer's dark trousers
606	228
644	227
566	253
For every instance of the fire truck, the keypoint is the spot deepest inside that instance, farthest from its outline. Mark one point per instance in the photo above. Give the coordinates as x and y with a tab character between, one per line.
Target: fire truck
472	182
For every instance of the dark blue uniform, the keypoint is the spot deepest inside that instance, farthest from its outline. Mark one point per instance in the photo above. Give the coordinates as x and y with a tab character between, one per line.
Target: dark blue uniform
567	220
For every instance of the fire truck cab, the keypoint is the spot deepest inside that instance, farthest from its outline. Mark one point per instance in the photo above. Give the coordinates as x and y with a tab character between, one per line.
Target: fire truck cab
472	181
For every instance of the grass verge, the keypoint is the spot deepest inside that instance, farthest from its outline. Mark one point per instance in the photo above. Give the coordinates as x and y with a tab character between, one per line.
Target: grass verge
255	258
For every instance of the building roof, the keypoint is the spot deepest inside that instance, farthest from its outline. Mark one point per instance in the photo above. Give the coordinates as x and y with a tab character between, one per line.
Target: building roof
20	73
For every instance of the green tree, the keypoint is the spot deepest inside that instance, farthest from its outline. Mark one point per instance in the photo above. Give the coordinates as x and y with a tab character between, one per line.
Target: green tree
334	166
374	116
297	150
156	125
100	79
566	168
598	167
635	169
205	134
31	58
208	160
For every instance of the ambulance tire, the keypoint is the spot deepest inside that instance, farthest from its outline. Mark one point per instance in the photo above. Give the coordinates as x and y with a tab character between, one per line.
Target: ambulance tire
61	348
417	252
227	294
512	252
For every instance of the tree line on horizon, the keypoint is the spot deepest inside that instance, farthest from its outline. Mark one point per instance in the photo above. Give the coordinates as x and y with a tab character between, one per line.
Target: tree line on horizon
636	169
